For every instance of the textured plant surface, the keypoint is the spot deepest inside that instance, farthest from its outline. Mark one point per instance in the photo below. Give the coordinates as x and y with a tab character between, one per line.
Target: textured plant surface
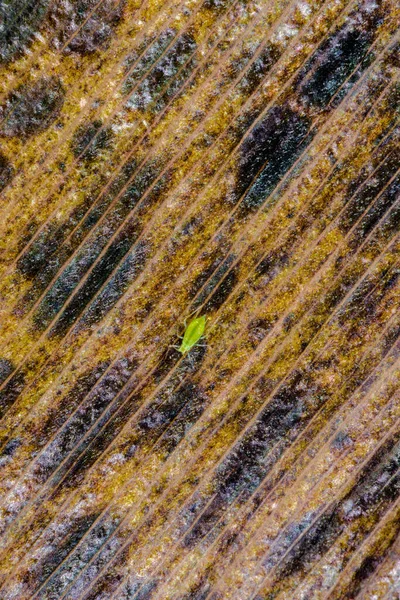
237	159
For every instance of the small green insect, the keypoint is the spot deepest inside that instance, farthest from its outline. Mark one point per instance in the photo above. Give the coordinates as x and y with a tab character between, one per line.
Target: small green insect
193	332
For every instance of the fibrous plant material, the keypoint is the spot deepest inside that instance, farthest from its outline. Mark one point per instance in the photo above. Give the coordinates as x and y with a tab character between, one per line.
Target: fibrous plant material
235	160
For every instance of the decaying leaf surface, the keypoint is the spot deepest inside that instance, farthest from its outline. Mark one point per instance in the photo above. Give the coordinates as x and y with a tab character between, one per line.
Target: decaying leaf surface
235	159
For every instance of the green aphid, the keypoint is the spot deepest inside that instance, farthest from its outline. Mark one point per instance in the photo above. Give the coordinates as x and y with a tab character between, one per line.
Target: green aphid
193	332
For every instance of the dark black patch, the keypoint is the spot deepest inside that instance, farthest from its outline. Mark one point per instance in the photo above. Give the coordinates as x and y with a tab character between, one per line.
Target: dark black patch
174	86
245	464
267	154
193	408
341	441
369	194
278	423
364	64
200	280
348	280
110	579
379	483
89	140
6	368
69	279
104	199
258	329
384	201
146	591
164	410
392	111
223	290
42	260
6	172
32	108
20	19
110	424
289	322
11	391
361	309
370	563
101	545
95	280
55	418
141	61
161	74
199	591
272	264
36	258
389	338
94	541
390	280
393	58
65	18
215	273
390	225
129	270
156	419
46	567
371	495
250	460
209	517
76	445
379	159
90	251
312	545
215	5
333	62
11	447
190	226
167	361
133	592
263	141
259	69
